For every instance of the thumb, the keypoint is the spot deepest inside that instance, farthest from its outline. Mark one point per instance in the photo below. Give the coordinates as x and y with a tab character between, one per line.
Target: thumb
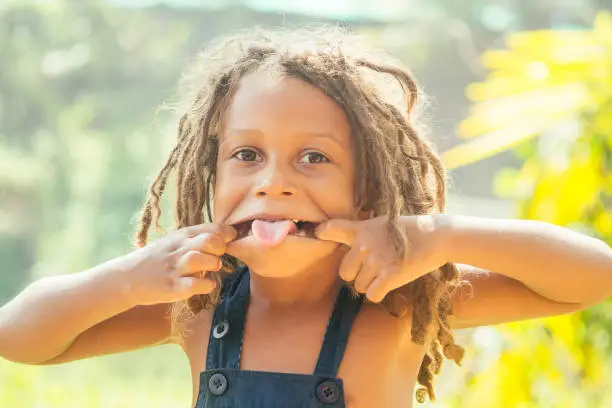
338	230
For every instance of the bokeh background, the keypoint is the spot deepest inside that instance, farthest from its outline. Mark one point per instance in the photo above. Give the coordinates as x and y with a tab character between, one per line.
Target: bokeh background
520	108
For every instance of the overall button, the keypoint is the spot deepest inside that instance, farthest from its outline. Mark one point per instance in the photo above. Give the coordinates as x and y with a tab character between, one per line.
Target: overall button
217	384
328	392
220	329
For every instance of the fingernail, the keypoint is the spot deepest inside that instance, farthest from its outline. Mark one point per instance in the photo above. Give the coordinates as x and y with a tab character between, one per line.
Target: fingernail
319	228
232	235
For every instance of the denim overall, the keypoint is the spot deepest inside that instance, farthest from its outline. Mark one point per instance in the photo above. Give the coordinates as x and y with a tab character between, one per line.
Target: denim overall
224	385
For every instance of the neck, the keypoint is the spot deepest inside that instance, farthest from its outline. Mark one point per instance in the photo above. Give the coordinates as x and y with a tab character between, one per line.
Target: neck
308	289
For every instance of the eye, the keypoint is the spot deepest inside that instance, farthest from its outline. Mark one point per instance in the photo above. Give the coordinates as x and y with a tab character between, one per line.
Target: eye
246	155
314	157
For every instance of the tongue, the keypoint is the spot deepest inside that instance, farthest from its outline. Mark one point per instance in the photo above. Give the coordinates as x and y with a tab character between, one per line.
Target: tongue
272	233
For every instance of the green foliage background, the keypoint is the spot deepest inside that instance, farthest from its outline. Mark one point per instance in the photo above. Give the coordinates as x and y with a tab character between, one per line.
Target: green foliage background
549	95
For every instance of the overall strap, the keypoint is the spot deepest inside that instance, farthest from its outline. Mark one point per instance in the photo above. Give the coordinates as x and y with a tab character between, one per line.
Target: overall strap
337	333
227	328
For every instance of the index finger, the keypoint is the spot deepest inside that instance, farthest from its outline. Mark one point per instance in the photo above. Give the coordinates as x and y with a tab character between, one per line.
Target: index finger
227	232
339	230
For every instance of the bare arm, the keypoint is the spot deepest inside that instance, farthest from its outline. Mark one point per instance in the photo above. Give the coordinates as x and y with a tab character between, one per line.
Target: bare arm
118	306
517	270
554	262
136	328
51	314
488	298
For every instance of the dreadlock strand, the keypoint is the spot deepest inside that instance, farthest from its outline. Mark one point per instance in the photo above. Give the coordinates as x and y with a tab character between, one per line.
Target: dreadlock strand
152	209
437	357
404	79
145	222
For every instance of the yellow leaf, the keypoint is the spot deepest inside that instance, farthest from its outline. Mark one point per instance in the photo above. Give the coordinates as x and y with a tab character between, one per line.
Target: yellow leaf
603	223
495	142
557	101
562	197
538	43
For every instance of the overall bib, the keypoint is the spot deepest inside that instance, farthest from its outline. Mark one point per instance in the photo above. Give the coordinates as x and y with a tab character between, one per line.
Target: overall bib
224	385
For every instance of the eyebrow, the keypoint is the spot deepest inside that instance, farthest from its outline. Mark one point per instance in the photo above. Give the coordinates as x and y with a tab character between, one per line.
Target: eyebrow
325	135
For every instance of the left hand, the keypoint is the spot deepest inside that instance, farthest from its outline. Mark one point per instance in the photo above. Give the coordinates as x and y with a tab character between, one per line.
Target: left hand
372	261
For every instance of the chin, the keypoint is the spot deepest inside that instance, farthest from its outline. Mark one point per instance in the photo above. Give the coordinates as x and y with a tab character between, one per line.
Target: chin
289	258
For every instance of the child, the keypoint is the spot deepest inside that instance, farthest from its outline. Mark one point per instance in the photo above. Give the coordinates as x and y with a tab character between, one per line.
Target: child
325	272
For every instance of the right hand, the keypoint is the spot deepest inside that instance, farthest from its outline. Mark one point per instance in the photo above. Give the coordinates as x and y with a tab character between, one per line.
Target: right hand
176	266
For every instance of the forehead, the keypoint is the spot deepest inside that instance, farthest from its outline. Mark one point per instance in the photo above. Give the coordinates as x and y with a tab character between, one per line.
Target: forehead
272	103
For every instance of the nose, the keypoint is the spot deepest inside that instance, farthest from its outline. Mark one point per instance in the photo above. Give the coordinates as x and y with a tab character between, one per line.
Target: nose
274	181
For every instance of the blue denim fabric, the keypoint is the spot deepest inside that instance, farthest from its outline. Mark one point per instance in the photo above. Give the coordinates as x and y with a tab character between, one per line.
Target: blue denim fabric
224	385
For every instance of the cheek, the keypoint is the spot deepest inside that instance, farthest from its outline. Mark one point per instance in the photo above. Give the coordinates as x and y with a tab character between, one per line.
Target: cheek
335	194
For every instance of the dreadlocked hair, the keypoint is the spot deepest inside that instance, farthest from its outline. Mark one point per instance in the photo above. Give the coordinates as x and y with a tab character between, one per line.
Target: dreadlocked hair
399	172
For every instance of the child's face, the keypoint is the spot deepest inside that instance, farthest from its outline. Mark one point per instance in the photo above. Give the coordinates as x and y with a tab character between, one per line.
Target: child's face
285	153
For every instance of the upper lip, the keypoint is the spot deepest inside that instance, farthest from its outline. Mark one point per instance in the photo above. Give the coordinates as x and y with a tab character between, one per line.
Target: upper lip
272	217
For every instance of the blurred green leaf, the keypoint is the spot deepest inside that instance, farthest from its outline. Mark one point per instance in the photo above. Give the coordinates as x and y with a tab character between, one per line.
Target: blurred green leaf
549	95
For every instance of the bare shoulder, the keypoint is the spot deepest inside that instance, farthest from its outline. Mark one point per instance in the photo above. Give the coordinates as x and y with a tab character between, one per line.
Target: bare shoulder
381	360
376	318
395	316
377	330
136	328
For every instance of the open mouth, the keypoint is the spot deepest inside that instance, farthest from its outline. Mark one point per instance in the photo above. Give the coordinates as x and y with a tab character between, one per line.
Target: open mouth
302	228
